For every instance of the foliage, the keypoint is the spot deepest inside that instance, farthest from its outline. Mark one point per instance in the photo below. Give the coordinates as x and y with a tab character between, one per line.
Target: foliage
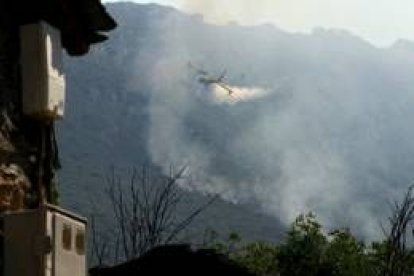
145	219
258	257
346	255
308	250
302	252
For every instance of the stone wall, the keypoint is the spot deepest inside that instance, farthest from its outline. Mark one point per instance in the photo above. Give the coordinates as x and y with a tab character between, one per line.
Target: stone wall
28	147
24	144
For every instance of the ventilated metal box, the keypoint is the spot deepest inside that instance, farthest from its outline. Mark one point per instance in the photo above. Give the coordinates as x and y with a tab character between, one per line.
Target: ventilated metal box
48	241
43	80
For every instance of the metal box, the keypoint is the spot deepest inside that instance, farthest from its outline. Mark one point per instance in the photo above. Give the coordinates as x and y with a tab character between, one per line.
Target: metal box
43	81
48	241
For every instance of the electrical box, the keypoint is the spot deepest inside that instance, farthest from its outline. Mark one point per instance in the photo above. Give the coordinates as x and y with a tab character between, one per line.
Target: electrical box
43	80
48	241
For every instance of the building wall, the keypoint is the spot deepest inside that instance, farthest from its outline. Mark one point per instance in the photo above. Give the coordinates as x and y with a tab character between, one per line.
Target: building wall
19	137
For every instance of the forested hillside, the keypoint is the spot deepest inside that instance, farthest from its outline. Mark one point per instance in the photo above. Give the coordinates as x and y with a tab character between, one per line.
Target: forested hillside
316	122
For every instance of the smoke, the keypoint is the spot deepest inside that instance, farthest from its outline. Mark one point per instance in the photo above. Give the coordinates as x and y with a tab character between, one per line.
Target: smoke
314	123
234	94
223	12
304	16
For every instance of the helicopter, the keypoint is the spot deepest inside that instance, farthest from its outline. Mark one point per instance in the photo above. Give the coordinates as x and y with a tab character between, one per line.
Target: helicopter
205	78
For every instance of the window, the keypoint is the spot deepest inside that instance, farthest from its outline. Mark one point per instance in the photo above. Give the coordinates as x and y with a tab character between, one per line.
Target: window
67	237
80	242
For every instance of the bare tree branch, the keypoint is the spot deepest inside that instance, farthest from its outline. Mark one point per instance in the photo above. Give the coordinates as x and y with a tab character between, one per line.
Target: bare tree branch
398	257
145	210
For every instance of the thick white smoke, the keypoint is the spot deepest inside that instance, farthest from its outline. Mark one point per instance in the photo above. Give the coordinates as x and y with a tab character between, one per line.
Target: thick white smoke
234	94
317	123
304	16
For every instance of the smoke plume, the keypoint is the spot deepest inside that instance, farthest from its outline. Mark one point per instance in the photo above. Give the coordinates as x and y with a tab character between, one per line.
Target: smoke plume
234	94
316	122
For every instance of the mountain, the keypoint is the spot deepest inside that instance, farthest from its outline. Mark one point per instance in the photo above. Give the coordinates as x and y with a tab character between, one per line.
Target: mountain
107	124
314	122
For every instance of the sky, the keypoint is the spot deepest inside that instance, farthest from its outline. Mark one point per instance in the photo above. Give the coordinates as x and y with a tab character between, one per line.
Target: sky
381	22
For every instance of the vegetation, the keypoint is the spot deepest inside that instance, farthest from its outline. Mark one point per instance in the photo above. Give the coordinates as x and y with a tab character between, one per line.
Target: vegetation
144	213
308	250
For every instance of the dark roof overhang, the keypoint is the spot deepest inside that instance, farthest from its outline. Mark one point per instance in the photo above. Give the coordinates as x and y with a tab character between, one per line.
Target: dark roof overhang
81	22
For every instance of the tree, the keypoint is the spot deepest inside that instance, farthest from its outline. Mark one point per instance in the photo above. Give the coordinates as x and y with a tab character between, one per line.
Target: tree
394	256
346	255
259	258
306	250
303	251
145	213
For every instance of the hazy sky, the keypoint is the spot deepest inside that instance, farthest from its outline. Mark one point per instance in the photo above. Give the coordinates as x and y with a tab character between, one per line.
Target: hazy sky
379	21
